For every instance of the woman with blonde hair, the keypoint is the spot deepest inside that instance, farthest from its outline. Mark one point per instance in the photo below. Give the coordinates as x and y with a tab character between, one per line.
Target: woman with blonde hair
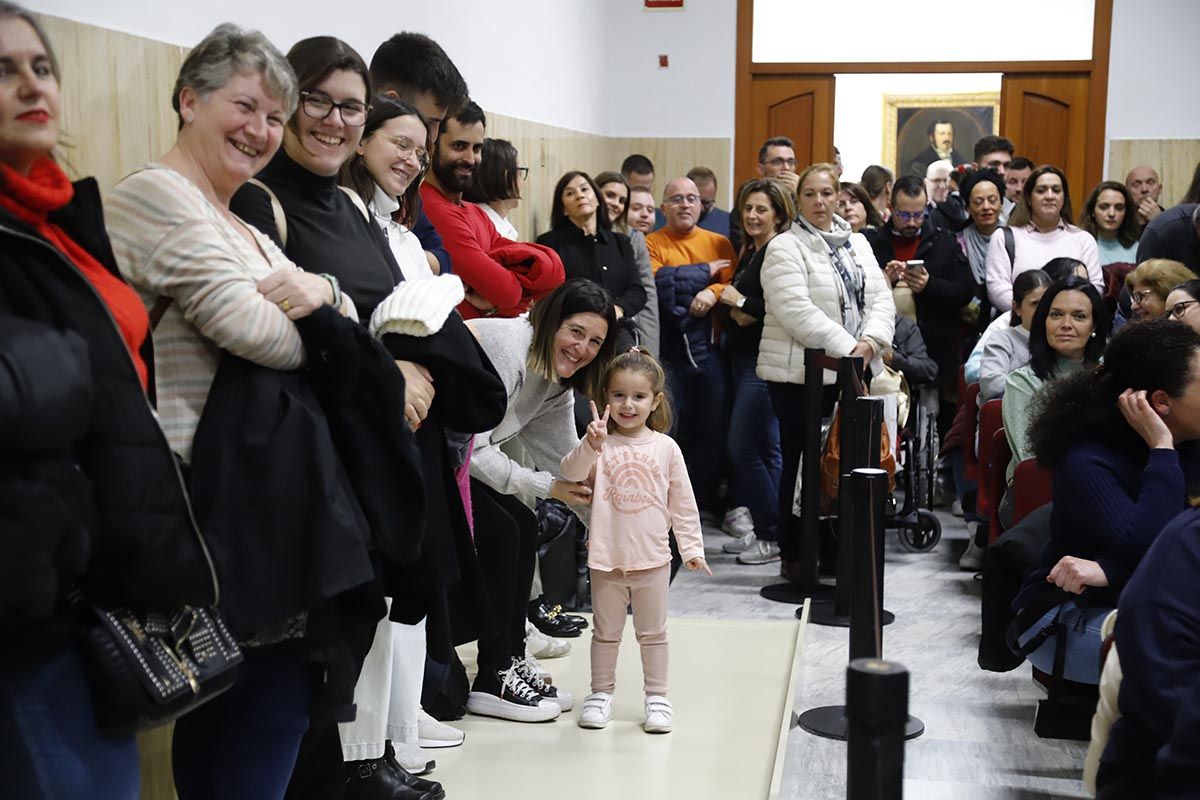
1150	284
823	288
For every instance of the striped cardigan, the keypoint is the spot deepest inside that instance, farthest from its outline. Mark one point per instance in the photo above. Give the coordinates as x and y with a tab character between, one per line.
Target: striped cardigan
170	241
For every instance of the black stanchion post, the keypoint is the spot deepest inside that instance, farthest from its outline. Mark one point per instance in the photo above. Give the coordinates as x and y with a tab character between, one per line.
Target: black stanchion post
804	581
862	419
876	715
867	489
866	628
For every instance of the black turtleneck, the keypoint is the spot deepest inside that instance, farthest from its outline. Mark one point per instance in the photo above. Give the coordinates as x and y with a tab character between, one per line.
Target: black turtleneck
606	258
326	231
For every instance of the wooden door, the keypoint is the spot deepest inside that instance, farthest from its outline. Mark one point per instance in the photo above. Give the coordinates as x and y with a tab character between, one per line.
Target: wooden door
798	108
1045	116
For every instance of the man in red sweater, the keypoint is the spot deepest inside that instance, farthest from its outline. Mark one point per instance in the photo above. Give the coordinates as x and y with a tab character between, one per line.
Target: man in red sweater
501	277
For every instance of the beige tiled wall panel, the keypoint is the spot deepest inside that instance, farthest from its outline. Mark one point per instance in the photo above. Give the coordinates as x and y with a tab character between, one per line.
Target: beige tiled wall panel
1175	160
550	151
117	115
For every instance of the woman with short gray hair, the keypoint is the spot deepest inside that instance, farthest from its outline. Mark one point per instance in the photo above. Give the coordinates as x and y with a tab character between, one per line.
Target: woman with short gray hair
215	286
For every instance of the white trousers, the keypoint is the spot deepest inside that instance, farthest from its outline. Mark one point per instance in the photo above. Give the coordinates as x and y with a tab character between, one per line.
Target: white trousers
388	694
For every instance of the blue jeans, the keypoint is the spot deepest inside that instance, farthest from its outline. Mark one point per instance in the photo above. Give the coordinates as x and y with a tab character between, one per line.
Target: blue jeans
50	746
1082	660
697	398
756	460
244	743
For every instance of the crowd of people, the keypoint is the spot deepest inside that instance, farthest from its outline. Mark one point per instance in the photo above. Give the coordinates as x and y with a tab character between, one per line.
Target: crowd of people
302	371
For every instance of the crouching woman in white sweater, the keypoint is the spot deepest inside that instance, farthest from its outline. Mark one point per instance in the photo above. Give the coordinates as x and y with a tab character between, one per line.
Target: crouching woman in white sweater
823	289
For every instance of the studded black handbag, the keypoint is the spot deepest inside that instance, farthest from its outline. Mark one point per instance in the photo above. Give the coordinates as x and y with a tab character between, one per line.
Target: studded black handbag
148	669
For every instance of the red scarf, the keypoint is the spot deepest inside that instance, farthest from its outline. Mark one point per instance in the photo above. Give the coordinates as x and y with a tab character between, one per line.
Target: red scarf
31	198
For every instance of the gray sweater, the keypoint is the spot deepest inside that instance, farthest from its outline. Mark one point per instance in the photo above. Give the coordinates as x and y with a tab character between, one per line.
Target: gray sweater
1006	350
647	318
540	415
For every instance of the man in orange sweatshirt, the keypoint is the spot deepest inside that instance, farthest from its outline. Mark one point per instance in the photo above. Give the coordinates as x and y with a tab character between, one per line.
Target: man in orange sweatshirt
691	268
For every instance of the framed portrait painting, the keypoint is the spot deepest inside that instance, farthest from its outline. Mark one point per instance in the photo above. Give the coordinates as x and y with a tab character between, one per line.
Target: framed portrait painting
920	129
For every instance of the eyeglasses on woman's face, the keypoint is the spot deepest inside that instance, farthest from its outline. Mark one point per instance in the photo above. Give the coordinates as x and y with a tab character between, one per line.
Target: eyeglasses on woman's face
406	147
319	105
1178	310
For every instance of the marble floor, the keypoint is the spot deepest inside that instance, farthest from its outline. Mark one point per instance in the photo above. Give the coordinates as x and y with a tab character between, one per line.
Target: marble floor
979	741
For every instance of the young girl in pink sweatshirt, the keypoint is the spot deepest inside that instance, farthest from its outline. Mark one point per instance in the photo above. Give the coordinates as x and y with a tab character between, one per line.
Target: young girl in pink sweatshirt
640	491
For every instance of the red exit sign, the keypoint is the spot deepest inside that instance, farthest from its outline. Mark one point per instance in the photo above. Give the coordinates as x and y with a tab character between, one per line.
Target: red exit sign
664	3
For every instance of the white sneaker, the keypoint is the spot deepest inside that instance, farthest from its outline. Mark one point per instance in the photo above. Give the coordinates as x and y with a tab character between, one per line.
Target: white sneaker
972	558
760	553
597	710
658	714
413	759
539	645
738	522
956	508
433	734
740	545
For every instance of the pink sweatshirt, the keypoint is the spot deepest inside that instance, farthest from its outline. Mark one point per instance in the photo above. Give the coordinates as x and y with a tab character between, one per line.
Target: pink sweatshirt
640	490
1033	249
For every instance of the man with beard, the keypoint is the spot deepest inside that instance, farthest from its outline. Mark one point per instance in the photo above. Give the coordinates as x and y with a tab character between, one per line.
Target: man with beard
941	145
501	277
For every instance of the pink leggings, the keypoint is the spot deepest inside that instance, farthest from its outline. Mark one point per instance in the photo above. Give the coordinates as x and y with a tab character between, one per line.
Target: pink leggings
612	593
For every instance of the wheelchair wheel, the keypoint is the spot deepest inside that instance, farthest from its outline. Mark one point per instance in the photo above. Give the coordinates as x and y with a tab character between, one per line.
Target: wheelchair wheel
925	535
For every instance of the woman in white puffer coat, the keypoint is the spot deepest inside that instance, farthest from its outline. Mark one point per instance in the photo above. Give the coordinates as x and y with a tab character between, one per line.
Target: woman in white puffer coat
823	289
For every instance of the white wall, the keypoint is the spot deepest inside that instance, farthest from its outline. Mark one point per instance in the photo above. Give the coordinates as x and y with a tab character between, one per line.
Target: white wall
587	65
858	110
888	30
1152	76
694	97
540	60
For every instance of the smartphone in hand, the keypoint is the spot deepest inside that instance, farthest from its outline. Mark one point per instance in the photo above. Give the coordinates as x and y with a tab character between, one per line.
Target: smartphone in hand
916	266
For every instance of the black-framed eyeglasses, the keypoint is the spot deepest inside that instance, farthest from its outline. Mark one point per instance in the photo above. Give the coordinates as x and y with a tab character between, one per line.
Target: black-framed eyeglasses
1179	309
779	163
523	172
1140	297
911	216
319	105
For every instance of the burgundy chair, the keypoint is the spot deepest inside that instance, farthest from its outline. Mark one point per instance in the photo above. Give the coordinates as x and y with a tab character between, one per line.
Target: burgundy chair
1033	487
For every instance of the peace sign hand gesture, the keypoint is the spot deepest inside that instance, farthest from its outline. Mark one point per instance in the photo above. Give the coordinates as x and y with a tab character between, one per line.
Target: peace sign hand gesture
597	429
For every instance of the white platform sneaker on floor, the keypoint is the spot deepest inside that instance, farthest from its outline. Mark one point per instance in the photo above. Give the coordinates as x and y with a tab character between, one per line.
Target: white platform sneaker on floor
432	733
658	714
972	558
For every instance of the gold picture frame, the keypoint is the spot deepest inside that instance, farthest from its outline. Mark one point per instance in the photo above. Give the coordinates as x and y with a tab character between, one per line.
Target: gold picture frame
964	108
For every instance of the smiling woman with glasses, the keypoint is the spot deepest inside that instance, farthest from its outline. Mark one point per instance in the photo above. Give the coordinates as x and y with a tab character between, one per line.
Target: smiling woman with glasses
497	185
1151	283
376	261
386	173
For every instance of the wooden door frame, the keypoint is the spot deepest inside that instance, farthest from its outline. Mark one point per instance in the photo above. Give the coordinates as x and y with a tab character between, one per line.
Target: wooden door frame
1097	68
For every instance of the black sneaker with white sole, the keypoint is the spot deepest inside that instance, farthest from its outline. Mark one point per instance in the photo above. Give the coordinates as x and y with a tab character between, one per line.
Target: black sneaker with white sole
527	669
506	695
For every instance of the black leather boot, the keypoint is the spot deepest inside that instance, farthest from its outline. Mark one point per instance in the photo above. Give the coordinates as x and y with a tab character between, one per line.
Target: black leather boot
373	779
428	789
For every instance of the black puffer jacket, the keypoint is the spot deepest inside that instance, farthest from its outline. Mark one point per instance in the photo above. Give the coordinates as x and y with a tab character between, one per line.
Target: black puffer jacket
90	493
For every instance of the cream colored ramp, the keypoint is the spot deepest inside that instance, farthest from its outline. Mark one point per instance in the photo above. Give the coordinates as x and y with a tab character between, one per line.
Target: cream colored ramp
730	686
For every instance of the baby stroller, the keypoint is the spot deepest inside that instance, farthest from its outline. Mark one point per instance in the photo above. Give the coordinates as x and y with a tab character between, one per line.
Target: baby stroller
918	529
